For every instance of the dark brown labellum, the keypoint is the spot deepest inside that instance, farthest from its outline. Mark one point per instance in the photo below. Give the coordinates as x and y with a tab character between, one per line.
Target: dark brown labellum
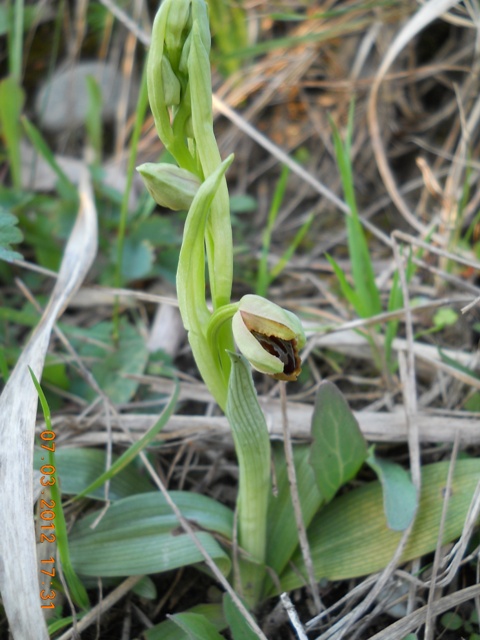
285	350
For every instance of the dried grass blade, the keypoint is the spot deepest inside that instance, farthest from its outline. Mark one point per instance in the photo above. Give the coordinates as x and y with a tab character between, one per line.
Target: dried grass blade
19	585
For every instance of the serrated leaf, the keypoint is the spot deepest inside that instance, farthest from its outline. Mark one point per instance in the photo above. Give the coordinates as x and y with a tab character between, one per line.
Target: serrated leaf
141	535
350	537
196	626
338	449
9	234
399	494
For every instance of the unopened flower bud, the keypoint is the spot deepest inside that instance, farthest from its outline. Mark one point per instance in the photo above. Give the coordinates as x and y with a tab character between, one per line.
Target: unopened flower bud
269	337
169	186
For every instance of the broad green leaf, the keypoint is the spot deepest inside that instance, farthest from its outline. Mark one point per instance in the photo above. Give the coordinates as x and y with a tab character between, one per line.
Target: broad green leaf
239	627
168	630
141	535
113	363
77	468
350	537
196	626
338	449
282	532
399	494
9	234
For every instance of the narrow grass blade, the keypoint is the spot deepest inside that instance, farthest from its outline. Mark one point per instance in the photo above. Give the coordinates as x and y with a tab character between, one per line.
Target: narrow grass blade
350	537
80	469
135	449
286	256
19	583
263	278
93	119
75	587
338	449
369	302
44	150
12	98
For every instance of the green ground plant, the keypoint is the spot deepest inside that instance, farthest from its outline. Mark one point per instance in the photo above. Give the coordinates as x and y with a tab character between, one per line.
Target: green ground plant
255	545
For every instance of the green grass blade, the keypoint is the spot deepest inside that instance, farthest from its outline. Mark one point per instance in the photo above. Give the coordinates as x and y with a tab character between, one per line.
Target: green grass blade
75	586
16	40
263	279
349	293
44	150
122	225
135	448
79	468
93	118
369	302
12	99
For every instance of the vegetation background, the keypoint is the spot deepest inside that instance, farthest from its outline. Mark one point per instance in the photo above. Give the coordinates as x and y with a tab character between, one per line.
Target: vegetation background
292	72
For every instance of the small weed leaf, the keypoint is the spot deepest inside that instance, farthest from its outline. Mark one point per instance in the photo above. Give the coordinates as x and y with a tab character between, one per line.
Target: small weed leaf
338	448
400	498
239	627
196	626
9	234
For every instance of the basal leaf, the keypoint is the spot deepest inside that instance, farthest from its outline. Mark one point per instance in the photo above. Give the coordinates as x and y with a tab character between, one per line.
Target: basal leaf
239	627
338	449
350	536
282	532
141	535
168	630
399	494
196	626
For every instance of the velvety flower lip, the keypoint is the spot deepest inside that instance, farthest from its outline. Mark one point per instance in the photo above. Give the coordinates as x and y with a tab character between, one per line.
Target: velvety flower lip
269	337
